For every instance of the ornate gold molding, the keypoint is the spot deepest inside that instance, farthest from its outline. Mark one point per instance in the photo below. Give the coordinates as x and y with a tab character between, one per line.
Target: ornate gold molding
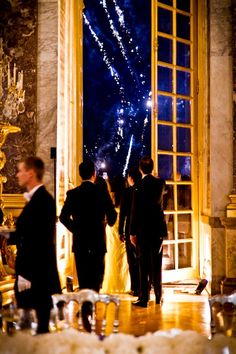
231	207
13	203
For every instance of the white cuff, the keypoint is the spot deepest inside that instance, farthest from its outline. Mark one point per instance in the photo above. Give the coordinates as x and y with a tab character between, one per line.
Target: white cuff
23	284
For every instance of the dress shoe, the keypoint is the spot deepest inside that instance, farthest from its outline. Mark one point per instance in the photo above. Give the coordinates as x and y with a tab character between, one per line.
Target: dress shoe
140	303
42	330
159	301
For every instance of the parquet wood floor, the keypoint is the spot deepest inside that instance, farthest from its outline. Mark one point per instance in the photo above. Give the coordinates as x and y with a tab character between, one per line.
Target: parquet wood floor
179	310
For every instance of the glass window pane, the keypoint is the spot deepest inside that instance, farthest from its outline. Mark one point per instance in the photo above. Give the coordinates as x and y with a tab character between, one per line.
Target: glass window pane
165	167
165	137
164	21
183	5
165	49
184	197
165	104
167	2
183	54
170	226
165	79
185	254
184	167
183	26
168	198
168	259
183	83
184	226
183	140
116	78
183	111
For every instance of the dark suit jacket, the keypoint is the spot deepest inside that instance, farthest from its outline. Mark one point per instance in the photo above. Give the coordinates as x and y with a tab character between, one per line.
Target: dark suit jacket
85	211
35	241
147	219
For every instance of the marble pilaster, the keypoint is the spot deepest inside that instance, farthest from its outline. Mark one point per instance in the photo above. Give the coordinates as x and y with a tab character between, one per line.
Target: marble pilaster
47	86
221	136
234	92
221	145
69	123
229	283
231	207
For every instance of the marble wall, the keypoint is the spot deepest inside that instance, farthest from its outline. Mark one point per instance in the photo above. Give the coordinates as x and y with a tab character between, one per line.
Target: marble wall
47	67
18	29
221	131
221	142
30	38
229	283
234	89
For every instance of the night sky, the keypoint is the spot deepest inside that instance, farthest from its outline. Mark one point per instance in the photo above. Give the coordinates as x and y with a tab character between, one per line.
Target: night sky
117	83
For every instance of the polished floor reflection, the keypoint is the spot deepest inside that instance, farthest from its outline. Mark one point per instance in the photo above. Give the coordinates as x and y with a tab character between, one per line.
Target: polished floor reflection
179	310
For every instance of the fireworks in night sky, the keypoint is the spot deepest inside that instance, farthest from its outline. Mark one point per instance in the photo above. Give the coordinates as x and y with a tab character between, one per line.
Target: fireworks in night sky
117	83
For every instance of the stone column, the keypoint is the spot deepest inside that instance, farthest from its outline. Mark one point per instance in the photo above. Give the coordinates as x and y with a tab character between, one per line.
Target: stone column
220	131
47	86
229	283
70	96
69	119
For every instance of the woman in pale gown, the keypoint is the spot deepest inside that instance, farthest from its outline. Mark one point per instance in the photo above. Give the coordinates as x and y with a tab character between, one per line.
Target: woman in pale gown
116	278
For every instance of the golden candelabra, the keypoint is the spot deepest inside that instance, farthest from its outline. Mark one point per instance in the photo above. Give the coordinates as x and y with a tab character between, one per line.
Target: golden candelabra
12	97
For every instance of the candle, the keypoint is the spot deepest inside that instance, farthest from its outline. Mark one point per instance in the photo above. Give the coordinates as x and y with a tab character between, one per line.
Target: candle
21	86
1	48
18	81
8	75
14	73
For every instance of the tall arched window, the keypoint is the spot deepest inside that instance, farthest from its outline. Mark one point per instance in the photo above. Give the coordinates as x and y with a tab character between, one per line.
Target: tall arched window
167	79
173	127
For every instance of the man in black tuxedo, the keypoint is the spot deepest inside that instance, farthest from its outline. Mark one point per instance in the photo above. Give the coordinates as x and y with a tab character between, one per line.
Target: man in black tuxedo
36	269
86	210
147	230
